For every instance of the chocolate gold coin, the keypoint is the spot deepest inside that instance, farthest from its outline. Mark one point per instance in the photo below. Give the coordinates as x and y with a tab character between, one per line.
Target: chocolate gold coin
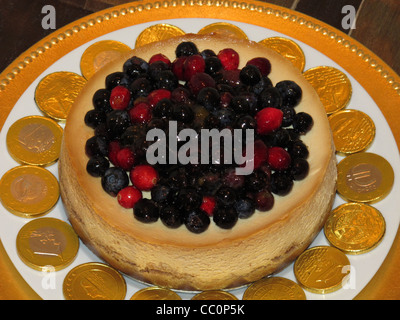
29	191
47	242
287	48
364	177
94	281
332	85
34	140
158	32
224	29
353	131
56	92
322	269
214	295
274	288
355	228
99	54
155	293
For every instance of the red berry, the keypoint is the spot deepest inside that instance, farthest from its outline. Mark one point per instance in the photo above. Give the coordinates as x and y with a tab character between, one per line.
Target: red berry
120	97
229	59
199	81
140	113
157	95
262	64
192	65
125	158
177	67
278	158
268	120
144	177
113	148
260	154
160	57
128	196
264	200
208	205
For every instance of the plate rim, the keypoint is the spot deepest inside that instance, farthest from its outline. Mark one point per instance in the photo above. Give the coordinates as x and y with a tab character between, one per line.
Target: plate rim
365	66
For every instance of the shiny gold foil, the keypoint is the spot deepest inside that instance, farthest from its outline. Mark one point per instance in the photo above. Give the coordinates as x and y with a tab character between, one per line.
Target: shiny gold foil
47	244
34	140
364	177
355	228
332	85
99	54
322	269
287	48
224	29
274	288
214	295
157	32
29	191
56	93
94	281
353	131
155	293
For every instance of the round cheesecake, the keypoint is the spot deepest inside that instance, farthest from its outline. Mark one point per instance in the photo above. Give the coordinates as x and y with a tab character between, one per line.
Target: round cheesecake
217	258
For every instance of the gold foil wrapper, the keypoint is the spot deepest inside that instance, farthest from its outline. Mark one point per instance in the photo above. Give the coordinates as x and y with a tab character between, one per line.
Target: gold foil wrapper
214	295
155	293
224	29
274	288
157	32
94	281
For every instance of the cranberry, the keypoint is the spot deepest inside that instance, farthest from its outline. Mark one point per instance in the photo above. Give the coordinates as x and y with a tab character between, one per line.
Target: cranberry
262	64
208	205
160	57
140	113
268	120
229	59
278	158
113	148
192	65
119	98
125	158
144	177
177	67
157	95
199	81
260	154
264	200
128	197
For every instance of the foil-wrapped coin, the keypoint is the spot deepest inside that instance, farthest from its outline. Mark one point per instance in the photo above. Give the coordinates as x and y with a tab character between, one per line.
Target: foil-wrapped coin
214	295
224	29
353	131
287	48
332	85
322	269
34	140
158	32
155	293
274	288
29	191
355	228
56	92
94	281
99	54
364	177
47	244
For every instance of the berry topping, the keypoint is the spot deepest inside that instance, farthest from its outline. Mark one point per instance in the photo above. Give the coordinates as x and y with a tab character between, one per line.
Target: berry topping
268	120
229	59
196	91
128	196
144	177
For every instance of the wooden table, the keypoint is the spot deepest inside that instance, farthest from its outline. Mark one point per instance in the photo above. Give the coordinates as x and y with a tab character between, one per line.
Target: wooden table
377	22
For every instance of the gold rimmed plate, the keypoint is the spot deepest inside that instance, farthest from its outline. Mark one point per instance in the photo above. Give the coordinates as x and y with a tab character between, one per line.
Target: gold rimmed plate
61	53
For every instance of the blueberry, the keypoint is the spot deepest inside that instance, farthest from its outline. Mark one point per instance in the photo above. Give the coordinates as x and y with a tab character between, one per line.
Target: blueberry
297	149
156	67
146	211
299	169
281	184
118	121
196	221
182	112
141	87
97	166
245	208
240	104
186	48
226	117
270	97
114	180
160	193
264	200
257	181
135	67
171	217
209	98
225	217
226	196
166	79
96	145
246	122
250	75
302	122
163	108
101	100
114	79
94	117
288	116
290	91
264	83
212	65
208	53
189	199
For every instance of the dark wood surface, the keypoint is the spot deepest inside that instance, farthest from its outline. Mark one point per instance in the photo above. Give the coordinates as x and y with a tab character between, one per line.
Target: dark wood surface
377	22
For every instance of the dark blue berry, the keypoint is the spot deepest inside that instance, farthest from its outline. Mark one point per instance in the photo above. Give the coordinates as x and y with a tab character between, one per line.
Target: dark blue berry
163	108
212	66
114	79
281	184
94	117
166	79
288	116
250	75
135	67
196	221
118	121
302	122
209	98
114	180
141	87
171	216
297	149
188	199
299	169
186	48
270	97
226	196
245	208
101	100
290	91
182	112
226	117
96	146
146	211
225	217
97	166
